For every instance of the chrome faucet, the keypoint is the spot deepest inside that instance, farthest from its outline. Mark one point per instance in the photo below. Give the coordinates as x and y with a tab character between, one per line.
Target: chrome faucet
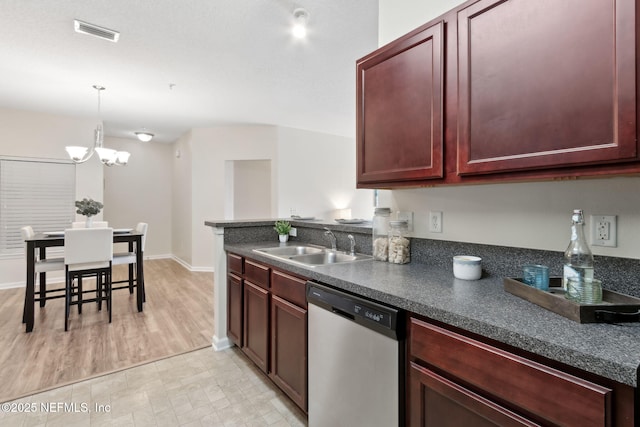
331	237
352	243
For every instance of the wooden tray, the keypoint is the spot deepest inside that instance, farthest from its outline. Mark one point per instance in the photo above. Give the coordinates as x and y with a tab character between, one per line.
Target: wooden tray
614	308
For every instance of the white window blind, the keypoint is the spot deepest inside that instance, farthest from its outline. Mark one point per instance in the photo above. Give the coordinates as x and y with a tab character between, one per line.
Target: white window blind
36	193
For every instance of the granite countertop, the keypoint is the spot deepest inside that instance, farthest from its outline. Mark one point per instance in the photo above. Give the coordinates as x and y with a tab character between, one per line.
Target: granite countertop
481	307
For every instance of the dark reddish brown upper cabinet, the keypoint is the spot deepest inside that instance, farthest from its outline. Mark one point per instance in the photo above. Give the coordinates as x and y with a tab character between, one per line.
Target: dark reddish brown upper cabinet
234	309
545	84
400	111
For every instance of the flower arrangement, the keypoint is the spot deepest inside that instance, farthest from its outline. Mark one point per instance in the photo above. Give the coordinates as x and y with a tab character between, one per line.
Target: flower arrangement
282	227
88	207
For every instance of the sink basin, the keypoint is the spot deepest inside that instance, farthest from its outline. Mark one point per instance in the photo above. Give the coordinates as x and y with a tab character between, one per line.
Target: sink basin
327	257
311	256
285	251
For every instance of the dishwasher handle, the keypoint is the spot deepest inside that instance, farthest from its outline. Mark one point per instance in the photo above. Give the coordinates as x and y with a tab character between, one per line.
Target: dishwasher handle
342	313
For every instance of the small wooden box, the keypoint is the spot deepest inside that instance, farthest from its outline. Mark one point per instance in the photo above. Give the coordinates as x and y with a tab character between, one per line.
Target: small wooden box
614	308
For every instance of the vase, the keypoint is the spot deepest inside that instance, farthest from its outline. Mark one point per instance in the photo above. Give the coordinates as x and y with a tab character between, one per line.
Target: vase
89	222
283	238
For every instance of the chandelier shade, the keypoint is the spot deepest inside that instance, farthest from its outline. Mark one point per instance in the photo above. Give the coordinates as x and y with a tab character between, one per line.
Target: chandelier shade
108	157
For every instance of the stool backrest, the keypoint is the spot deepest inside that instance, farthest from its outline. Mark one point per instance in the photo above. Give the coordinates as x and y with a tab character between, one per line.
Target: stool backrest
142	228
94	224
88	245
27	232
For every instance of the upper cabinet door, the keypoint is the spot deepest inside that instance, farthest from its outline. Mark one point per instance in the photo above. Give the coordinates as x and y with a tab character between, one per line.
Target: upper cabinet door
399	110
545	84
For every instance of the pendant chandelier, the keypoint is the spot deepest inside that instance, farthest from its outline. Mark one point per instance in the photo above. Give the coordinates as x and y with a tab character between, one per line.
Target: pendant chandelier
107	156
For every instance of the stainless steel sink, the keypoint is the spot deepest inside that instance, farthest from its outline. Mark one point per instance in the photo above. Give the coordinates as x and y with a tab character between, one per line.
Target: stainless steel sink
285	251
311	256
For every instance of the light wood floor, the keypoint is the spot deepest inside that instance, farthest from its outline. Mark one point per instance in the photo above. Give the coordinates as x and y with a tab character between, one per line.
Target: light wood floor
177	317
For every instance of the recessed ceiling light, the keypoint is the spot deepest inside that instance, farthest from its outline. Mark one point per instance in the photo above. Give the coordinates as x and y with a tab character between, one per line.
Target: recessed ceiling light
95	30
144	136
300	19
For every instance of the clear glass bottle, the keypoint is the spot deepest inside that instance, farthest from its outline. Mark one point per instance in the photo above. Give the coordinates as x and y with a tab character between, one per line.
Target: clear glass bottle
399	243
578	259
380	238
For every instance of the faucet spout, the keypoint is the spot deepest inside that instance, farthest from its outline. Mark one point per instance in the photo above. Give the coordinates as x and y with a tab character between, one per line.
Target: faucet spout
352	243
332	238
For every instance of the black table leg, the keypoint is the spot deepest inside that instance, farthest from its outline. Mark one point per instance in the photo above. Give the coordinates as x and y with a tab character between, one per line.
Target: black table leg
30	290
139	273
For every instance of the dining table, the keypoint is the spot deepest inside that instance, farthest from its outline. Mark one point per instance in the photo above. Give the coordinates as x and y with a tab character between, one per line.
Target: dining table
37	247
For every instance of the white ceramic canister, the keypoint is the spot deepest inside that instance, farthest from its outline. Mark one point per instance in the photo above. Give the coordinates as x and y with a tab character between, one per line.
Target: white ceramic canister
467	267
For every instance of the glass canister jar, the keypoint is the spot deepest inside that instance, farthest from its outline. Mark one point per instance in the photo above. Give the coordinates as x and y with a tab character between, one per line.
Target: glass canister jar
380	238
399	243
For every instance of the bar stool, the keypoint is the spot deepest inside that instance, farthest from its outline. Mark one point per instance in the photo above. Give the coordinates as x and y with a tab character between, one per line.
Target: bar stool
42	266
87	252
130	258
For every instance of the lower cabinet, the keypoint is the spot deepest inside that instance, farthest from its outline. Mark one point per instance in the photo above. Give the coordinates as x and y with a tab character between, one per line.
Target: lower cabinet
289	349
267	319
456	380
438	402
256	325
234	310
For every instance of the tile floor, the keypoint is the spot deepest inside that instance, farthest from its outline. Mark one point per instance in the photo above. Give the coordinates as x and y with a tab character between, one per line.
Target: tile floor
200	388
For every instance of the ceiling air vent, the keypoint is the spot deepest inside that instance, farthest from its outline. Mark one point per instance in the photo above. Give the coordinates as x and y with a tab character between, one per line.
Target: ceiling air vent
94	30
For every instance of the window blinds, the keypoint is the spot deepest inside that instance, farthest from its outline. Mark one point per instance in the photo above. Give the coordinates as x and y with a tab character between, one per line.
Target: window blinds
36	193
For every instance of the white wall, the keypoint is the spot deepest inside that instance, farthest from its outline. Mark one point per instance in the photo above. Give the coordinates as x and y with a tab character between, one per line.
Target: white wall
36	135
211	148
531	215
311	172
141	192
251	185
398	17
182	200
317	175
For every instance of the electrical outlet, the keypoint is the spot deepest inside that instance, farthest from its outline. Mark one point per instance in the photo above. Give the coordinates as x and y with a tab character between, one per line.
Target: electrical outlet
293	232
604	230
435	222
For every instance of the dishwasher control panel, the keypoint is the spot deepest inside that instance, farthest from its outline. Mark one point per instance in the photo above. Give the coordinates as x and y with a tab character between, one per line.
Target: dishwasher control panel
376	316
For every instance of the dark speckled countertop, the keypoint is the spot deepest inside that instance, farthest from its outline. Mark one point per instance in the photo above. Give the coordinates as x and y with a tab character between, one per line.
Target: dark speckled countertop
482	307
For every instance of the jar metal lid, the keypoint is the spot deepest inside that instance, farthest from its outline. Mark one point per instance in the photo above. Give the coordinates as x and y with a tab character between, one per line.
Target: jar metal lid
382	211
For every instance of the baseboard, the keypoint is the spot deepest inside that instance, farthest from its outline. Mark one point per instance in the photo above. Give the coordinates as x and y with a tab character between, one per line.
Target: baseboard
190	267
11	285
21	284
221	344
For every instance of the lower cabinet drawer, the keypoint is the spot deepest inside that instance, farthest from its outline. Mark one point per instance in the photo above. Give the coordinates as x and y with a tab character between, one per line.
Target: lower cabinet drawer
235	264
257	273
290	288
543	392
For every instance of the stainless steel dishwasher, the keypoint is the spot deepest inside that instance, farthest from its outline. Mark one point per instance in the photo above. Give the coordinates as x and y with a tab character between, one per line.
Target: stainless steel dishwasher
355	360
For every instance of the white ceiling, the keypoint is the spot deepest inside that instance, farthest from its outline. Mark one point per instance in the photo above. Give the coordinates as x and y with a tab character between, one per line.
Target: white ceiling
231	61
